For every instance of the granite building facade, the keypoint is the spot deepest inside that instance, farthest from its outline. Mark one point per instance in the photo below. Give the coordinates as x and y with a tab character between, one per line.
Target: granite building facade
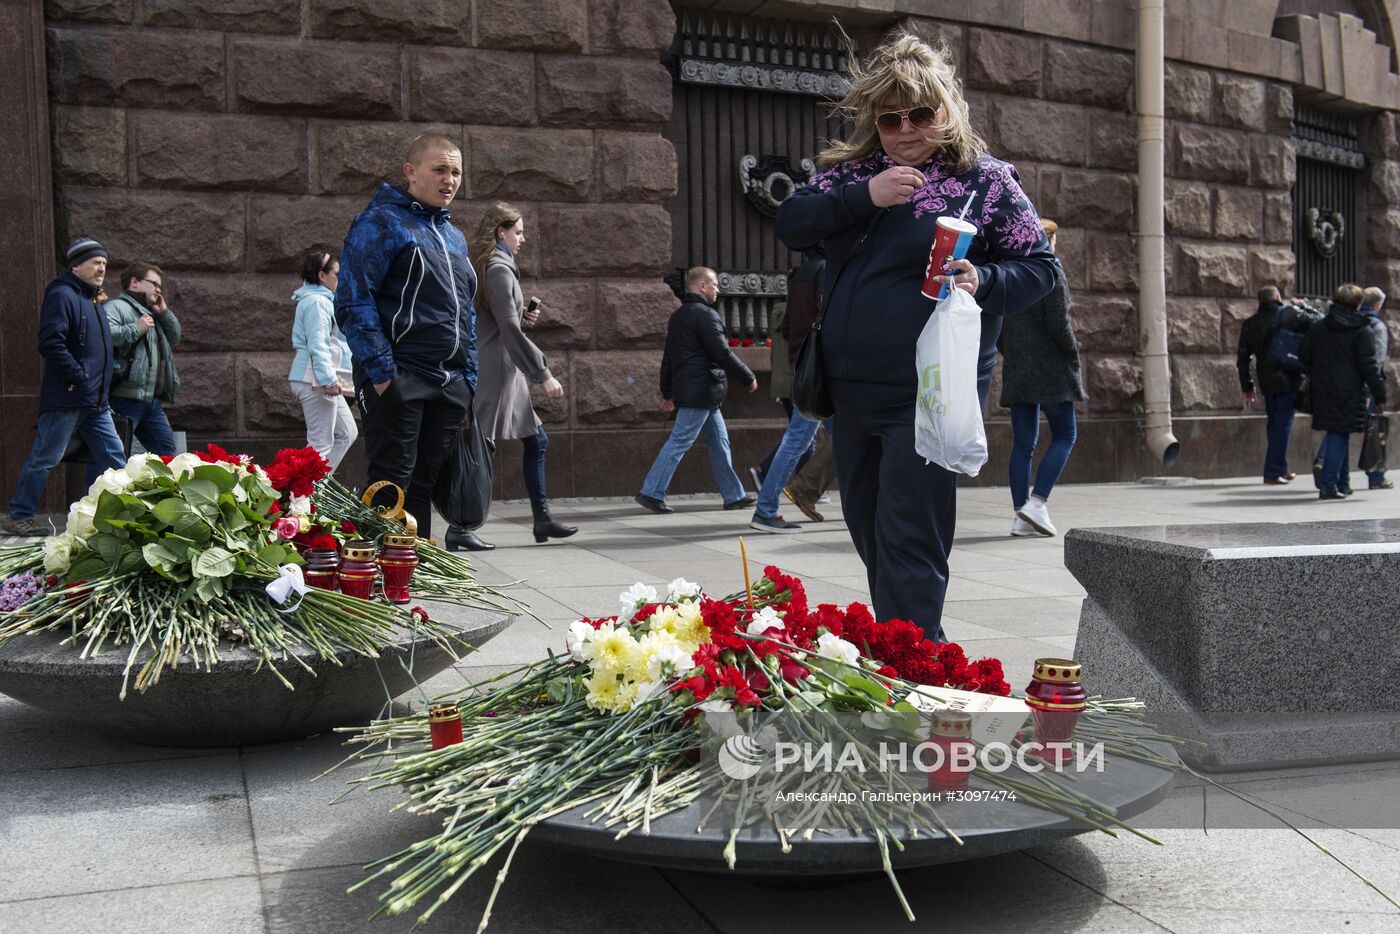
220	140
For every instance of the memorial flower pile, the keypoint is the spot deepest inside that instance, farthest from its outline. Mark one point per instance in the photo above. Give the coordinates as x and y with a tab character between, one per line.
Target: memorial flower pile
615	726
166	556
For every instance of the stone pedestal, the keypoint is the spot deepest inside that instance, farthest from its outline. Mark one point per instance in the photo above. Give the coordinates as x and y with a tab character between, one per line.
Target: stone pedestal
1274	644
238	701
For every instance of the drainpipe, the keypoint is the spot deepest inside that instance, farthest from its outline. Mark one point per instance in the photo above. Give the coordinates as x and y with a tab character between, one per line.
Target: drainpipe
1152	280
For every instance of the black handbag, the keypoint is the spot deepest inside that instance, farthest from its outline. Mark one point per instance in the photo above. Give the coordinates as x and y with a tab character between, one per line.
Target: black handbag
462	492
811	396
1372	459
77	451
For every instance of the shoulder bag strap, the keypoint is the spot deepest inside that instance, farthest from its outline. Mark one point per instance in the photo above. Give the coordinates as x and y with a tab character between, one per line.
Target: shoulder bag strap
826	299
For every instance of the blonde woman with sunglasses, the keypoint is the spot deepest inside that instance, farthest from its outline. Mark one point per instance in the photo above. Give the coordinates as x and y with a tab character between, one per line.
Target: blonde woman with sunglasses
912	157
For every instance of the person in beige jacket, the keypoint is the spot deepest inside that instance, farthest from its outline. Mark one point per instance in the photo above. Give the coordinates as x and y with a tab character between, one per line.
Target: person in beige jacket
508	362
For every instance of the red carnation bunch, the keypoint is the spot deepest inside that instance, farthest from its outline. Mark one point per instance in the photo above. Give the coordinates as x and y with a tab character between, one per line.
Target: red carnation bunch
213	454
297	471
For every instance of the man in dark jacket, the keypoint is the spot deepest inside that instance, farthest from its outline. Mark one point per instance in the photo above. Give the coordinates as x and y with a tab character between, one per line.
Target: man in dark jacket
1344	376
77	349
1372	301
1278	384
693	368
404	304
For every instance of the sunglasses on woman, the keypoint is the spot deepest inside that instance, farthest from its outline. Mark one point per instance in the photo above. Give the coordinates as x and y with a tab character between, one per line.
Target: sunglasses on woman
920	118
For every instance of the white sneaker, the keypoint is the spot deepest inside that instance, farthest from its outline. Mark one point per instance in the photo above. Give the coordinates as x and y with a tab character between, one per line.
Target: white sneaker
1020	528
1035	514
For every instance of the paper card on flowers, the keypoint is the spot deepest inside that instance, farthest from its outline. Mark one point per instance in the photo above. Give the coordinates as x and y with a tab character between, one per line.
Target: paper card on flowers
998	718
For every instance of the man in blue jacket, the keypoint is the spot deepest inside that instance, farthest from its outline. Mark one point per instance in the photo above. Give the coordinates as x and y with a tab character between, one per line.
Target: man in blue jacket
404	304
76	345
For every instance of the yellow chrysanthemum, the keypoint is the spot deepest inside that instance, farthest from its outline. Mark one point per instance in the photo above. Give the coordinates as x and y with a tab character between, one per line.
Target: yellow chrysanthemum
615	651
602	691
664	619
691	631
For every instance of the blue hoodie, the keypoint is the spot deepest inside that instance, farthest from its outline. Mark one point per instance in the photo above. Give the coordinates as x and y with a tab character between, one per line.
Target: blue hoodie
876	311
405	294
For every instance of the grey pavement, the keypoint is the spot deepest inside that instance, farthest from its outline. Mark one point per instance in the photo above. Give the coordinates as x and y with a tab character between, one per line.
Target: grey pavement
97	835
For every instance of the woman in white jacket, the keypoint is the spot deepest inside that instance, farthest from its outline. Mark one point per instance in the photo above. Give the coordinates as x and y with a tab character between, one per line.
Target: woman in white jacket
320	369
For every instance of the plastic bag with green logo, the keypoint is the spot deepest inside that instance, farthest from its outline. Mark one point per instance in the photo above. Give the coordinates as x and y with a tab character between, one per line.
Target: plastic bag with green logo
948	428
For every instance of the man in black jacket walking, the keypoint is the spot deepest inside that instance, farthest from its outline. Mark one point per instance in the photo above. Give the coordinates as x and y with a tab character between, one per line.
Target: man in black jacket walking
1278	384
693	369
1344	376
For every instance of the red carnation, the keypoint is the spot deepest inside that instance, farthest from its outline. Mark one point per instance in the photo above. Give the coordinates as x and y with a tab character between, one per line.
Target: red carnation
324	541
348	528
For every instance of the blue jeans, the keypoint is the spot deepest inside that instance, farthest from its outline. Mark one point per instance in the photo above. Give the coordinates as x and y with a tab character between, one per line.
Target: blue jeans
149	424
690	424
1278	407
51	439
797	441
1335	450
1025	431
532	467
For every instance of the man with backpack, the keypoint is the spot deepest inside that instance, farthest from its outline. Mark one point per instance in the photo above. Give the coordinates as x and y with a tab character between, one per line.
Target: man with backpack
1271	337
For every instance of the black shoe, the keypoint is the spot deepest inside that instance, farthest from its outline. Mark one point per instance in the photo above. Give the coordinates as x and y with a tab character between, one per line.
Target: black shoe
652	504
1344	490
1317	473
743	502
1332	494
459	539
546	526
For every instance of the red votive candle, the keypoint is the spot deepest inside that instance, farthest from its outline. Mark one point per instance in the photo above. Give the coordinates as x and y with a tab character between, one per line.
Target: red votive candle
445	725
1056	697
952	734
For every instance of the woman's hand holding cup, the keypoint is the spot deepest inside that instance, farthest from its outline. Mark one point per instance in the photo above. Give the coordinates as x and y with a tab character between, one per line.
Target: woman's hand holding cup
962	275
895	186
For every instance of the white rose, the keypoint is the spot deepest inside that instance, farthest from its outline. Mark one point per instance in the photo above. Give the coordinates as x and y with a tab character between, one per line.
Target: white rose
837	649
138	467
115	480
80	519
58	553
184	463
681	589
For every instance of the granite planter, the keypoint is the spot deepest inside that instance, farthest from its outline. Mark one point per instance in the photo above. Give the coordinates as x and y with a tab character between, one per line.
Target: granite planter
986	829
1274	644
235	703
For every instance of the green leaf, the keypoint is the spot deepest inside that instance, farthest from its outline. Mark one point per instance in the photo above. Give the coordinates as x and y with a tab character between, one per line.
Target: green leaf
131	561
160	468
213	562
233	517
194	527
88	568
220	477
162	558
200	493
171	510
272	555
109	505
106	546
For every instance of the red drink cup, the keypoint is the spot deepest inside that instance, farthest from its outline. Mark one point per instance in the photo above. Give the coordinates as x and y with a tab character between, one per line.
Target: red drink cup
951	242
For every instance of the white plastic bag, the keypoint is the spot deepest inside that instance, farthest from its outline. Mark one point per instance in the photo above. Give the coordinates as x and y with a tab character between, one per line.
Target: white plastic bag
948	427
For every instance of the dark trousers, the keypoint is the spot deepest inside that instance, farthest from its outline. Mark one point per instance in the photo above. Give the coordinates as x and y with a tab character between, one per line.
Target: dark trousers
149	424
1278	409
409	431
532	467
900	510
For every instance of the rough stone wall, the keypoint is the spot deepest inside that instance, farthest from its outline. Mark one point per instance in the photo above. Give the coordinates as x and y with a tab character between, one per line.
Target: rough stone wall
222	139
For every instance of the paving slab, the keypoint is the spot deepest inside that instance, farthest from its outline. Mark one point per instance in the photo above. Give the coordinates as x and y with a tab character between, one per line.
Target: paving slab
219	906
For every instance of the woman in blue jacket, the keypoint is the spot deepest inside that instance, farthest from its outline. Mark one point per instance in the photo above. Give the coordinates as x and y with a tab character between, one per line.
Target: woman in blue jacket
321	368
912	157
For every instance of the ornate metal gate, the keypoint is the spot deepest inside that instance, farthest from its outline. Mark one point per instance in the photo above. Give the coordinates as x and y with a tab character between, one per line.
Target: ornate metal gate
747	122
1325	216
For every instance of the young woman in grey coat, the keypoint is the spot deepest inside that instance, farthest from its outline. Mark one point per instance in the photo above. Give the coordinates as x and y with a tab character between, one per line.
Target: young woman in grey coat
508	362
1040	373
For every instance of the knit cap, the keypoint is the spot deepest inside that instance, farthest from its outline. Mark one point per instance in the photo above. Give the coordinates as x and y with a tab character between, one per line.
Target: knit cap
83	249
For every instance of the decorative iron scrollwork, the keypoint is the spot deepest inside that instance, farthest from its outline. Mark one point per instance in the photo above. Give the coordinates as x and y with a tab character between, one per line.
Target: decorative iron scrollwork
1326	230
769	180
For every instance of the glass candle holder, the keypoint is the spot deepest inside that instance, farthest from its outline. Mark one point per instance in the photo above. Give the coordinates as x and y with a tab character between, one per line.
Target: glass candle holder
952	734
397	561
445	725
1056	697
358	570
322	568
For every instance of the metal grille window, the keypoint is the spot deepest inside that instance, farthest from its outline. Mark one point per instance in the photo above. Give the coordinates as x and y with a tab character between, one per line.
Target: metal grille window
1325	216
748	120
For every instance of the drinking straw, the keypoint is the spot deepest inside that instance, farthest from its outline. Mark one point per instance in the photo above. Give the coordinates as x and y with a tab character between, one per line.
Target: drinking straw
967	205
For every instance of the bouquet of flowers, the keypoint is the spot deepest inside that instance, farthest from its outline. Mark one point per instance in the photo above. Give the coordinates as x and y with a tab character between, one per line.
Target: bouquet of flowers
617	721
173	554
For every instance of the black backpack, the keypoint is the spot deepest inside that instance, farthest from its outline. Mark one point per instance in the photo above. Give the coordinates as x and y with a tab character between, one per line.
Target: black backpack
1284	341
